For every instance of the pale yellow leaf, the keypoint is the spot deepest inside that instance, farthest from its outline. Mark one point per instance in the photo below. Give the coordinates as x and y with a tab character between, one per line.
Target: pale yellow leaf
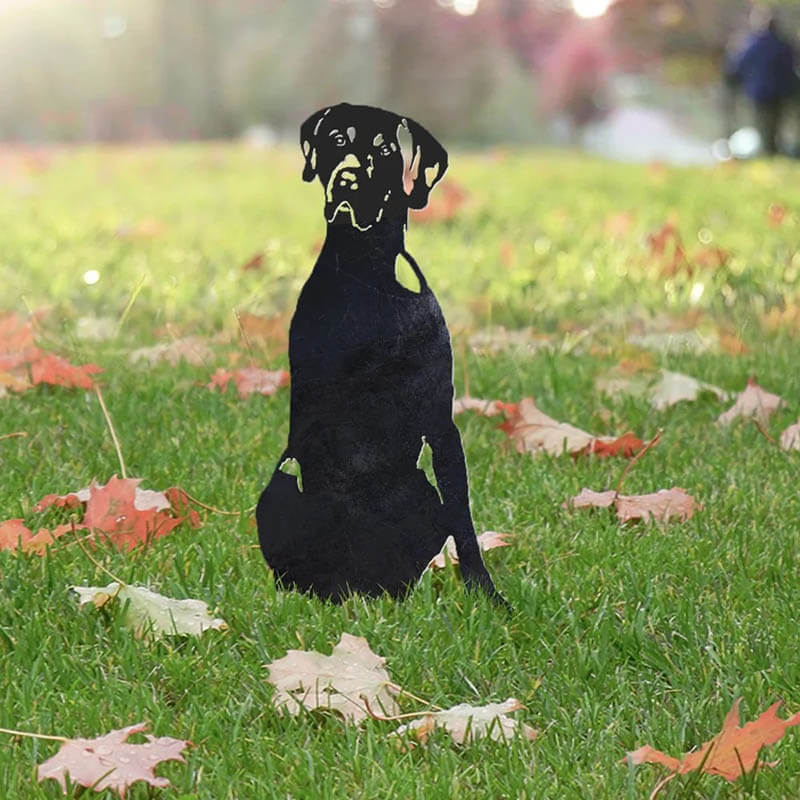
467	723
338	682
152	614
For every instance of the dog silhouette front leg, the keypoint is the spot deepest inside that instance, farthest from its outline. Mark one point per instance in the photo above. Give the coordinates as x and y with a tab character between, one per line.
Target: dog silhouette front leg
450	467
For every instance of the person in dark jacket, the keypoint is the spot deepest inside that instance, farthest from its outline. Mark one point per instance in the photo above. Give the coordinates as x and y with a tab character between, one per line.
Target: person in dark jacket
765	69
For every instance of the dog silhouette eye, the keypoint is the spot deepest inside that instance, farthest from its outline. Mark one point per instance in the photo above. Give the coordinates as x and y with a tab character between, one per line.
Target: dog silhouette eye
339	139
384	150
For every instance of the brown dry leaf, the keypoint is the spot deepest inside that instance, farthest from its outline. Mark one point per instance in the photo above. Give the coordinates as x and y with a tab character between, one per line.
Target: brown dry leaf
309	680
666	245
264	330
534	432
250	380
786	317
731	344
790	438
14	383
468	723
487	408
710	257
109	762
752	402
192	350
658	506
256	261
731	752
488	540
507	253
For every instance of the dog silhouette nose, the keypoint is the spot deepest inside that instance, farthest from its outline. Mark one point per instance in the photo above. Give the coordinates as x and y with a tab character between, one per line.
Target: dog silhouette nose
347	178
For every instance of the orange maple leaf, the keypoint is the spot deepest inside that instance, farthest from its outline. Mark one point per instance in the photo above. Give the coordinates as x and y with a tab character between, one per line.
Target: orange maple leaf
111	510
731	753
58	371
14	533
16	334
534	432
626	446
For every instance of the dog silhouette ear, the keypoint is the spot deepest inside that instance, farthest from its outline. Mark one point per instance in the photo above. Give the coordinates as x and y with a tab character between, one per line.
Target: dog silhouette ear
308	141
428	162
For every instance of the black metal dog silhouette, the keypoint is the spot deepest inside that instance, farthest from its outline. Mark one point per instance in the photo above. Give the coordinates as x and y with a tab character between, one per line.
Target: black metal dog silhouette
371	382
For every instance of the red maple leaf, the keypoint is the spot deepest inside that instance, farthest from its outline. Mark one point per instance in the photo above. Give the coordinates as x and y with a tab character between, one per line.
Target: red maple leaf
250	380
59	372
13	534
626	446
111	511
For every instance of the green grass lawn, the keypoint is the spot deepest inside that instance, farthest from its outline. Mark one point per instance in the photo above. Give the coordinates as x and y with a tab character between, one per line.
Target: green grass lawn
621	636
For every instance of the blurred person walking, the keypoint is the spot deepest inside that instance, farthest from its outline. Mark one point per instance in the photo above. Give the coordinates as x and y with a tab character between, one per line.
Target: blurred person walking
765	69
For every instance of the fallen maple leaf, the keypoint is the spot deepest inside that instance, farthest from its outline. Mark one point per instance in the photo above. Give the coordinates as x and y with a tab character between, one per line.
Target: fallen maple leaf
309	680
255	261
191	349
59	372
752	402
731	752
660	506
14	534
790	438
150	613
488	540
109	762
666	244
125	514
265	330
661	387
143	499
487	408
626	446
534	432
468	723
711	257
19	354
16	334
250	380
111	510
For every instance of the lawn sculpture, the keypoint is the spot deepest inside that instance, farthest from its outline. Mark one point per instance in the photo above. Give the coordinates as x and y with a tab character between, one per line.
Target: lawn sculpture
371	382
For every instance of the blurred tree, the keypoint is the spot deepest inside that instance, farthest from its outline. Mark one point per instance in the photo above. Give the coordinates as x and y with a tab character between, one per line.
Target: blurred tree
133	69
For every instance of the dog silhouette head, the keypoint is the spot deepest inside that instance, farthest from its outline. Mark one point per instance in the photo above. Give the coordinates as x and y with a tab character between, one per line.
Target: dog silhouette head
355	152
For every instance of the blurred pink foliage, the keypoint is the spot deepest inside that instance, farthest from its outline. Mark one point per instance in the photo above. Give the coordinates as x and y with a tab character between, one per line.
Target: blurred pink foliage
576	70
